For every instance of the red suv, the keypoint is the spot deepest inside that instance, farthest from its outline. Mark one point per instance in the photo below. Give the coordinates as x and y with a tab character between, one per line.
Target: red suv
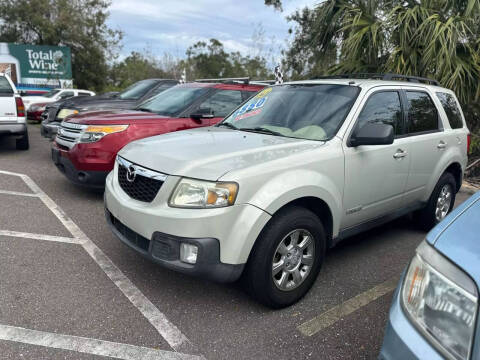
87	144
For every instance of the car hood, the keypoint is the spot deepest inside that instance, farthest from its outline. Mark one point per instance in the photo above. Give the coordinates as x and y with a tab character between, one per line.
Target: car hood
114	117
85	103
456	237
209	153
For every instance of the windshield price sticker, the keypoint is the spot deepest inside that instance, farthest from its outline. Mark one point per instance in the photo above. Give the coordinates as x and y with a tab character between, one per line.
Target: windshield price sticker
251	109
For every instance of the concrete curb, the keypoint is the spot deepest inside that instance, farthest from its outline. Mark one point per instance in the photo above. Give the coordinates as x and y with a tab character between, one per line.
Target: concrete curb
469	189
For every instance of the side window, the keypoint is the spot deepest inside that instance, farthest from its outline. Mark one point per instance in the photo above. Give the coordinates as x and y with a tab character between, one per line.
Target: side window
66	94
422	113
383	107
5	87
222	102
82	93
451	109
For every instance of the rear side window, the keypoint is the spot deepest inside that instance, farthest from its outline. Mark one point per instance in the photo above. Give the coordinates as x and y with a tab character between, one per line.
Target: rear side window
81	93
383	107
5	87
422	113
223	102
451	109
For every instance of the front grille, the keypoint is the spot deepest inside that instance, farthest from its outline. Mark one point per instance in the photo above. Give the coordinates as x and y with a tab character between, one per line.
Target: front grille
132	237
142	188
69	134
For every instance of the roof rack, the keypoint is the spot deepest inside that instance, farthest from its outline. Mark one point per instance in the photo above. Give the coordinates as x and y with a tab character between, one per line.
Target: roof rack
387	77
245	80
263	82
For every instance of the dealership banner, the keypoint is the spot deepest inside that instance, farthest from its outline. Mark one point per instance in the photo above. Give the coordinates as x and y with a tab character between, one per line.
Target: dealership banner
37	64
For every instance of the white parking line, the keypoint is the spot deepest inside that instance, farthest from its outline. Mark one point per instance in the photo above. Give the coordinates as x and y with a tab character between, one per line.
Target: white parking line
88	346
336	313
39	237
7	192
159	321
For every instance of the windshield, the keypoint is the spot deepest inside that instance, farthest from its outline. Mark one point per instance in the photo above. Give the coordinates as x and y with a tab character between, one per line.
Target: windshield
137	90
313	111
173	101
52	93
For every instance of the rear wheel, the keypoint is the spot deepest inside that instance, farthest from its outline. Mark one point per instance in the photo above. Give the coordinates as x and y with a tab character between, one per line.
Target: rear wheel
440	203
23	143
286	258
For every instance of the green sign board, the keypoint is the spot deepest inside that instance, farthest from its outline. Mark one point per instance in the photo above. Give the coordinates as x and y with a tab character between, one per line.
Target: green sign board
43	62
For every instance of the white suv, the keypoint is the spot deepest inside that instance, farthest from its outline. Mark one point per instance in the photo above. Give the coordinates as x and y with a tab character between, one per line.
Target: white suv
293	171
12	113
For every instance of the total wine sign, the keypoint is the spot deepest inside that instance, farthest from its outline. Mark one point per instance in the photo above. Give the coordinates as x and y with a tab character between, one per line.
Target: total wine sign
34	64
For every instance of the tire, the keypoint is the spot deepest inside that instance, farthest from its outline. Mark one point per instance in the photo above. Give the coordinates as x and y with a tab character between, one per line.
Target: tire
23	143
430	216
283	227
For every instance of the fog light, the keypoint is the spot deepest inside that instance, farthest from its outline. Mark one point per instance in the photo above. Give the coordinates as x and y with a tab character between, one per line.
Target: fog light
188	253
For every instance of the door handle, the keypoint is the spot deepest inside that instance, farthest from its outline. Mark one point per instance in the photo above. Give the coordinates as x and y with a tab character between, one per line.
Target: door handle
442	145
400	154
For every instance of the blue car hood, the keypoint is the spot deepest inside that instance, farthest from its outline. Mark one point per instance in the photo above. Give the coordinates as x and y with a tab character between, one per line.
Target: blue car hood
458	237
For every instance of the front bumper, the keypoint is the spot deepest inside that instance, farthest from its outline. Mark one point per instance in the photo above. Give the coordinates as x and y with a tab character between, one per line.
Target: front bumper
49	129
234	228
91	179
164	249
402	340
13	128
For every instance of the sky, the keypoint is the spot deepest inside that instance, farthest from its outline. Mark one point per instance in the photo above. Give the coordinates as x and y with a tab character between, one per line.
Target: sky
173	25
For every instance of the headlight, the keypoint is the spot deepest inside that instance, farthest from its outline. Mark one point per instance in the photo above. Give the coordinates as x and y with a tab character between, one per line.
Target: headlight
191	193
62	114
96	132
442	302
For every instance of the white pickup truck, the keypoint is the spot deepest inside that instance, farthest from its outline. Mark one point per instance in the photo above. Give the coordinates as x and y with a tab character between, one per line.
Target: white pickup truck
290	173
12	113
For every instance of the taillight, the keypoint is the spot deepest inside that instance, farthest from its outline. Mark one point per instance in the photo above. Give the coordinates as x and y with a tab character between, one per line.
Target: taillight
20	107
469	142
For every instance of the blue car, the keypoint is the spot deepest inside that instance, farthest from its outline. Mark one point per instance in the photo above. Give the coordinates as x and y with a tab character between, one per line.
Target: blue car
435	307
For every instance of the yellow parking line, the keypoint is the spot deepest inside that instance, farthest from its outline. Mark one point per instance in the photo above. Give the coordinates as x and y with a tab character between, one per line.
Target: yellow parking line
331	316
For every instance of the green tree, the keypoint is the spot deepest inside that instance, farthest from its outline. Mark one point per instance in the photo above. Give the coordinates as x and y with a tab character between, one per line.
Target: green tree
431	38
135	67
78	24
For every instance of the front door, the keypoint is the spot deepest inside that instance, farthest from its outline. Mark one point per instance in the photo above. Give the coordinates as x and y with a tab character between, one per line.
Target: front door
376	176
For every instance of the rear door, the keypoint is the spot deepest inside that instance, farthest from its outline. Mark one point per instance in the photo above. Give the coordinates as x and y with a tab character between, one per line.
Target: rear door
8	107
428	141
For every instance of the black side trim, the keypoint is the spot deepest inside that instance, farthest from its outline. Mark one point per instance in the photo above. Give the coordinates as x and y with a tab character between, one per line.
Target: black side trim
370	224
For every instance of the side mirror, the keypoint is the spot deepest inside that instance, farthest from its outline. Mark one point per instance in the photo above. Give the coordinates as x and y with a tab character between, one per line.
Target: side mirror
373	134
202	113
22	93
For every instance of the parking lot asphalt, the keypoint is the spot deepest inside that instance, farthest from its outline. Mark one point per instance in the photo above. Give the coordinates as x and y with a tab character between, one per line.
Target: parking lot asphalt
70	290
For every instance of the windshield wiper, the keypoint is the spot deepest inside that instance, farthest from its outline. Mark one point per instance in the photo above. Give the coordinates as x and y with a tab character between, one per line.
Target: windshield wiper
262	130
226	124
144	109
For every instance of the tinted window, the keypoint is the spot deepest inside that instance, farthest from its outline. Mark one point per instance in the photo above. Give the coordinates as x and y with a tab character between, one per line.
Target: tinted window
137	90
52	93
313	112
451	109
66	94
81	93
222	102
173	101
383	107
5	87
422	113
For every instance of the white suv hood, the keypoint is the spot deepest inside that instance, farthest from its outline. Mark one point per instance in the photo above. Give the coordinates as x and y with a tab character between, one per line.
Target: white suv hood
209	153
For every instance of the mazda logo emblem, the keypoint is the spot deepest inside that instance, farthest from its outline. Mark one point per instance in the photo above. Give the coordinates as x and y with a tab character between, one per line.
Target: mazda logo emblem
131	174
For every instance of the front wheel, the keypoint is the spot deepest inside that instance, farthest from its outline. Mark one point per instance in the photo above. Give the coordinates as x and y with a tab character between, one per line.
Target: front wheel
286	258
